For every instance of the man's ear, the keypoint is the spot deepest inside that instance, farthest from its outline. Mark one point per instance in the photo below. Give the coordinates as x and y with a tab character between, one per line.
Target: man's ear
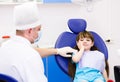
29	30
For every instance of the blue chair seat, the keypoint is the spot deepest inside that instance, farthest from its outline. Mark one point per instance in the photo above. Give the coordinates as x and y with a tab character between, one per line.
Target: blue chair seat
6	78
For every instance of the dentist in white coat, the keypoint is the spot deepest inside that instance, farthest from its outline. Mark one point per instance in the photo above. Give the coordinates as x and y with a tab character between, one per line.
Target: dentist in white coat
17	56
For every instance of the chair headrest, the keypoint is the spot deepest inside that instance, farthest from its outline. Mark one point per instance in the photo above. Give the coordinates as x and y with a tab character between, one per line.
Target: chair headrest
77	25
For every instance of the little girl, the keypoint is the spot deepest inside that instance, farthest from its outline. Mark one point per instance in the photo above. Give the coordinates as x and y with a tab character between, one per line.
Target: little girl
89	62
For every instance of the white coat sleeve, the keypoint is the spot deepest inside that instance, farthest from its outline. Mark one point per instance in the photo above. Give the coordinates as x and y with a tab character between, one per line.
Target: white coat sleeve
34	69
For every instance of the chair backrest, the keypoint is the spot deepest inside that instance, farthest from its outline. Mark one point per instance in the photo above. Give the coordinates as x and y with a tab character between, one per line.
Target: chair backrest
7	78
69	39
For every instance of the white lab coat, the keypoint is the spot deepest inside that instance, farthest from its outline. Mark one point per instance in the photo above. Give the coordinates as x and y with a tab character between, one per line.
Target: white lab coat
19	60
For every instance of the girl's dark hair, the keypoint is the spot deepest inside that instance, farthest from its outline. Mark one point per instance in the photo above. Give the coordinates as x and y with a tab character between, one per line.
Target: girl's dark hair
71	65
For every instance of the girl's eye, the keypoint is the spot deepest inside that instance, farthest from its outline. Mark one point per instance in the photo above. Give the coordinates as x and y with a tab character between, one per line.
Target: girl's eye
88	40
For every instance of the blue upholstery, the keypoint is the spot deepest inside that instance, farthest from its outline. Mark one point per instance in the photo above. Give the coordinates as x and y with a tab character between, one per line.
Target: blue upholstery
6	78
69	39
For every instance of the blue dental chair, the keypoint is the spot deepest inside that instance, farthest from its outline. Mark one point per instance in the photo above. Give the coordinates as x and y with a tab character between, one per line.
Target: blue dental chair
69	39
6	78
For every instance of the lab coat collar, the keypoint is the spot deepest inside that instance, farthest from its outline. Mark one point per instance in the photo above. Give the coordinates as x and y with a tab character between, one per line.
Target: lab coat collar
21	39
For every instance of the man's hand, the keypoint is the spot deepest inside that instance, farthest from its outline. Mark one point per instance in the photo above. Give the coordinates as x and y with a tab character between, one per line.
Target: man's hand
63	51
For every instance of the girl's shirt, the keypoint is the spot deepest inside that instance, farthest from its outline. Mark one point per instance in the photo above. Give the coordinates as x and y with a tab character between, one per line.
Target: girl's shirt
92	59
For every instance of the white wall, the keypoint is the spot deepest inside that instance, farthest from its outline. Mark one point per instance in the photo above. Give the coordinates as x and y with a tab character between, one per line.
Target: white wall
103	19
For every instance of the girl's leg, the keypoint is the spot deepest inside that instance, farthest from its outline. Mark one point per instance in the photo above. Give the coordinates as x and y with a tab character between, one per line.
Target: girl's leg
99	80
83	81
80	80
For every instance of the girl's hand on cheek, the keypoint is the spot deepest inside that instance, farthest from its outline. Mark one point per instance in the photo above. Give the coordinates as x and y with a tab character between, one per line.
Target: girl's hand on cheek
81	46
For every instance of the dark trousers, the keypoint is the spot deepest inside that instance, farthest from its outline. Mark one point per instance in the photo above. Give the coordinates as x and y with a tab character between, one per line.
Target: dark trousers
117	73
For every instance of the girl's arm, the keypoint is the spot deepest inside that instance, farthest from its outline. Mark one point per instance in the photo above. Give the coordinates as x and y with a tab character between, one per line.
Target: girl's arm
105	75
77	56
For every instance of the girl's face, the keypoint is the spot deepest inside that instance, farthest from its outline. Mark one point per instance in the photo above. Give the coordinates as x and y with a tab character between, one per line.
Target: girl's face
87	43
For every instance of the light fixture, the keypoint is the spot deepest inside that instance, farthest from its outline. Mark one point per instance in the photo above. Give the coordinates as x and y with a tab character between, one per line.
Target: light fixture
87	3
83	1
